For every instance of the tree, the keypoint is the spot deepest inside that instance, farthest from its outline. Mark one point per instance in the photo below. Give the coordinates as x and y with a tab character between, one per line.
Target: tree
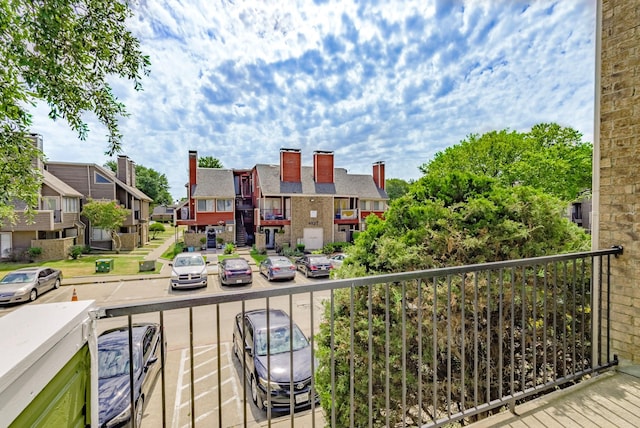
549	157
209	162
64	54
106	215
156	228
152	183
396	187
454	219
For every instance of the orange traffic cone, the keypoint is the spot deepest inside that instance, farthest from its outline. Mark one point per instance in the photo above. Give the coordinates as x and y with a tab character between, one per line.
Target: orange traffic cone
74	296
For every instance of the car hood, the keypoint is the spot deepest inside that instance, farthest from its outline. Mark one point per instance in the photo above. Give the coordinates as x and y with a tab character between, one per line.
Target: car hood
13	287
113	396
280	366
186	270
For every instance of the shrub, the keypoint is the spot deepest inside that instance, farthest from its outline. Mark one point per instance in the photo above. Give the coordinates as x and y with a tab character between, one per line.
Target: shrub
155	228
229	248
300	247
335	247
34	252
75	251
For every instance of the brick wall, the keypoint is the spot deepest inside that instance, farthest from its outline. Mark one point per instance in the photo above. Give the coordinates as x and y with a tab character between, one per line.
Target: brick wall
618	159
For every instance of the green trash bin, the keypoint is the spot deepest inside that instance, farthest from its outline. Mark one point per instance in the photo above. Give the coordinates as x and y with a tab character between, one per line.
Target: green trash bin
146	265
104	265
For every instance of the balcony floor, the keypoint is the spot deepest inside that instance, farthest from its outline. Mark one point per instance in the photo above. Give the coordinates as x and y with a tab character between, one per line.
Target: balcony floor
611	399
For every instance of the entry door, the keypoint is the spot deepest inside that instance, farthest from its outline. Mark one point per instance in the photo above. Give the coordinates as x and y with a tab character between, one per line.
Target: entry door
313	238
5	244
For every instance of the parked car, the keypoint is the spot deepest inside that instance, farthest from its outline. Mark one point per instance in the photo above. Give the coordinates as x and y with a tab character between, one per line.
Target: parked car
114	394
277	267
188	270
288	358
337	259
26	284
314	265
234	271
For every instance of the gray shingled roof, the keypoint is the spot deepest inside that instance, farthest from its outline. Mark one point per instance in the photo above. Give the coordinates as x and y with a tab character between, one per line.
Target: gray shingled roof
354	185
214	183
59	186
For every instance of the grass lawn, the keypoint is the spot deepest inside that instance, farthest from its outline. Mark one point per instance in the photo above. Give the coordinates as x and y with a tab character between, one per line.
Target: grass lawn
125	263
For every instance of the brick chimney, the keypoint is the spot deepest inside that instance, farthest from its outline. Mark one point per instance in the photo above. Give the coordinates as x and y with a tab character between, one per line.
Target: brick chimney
322	166
193	181
36	139
290	165
126	170
378	174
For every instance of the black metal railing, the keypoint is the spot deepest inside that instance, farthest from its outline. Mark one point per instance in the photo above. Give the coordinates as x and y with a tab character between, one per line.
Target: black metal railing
423	348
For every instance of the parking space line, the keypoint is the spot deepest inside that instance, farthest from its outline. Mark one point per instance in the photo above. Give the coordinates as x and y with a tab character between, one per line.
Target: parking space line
230	381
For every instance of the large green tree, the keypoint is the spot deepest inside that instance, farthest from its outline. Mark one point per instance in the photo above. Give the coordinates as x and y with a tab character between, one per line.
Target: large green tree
396	187
549	157
63	53
209	162
457	218
152	183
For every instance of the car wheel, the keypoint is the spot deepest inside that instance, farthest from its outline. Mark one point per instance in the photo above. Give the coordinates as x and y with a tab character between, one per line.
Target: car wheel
139	412
270	278
56	284
255	394
33	295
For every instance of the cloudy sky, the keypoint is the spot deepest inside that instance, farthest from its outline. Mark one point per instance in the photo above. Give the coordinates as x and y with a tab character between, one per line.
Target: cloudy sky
395	81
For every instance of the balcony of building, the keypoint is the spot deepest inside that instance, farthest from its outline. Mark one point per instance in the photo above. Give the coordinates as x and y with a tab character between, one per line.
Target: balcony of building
424	348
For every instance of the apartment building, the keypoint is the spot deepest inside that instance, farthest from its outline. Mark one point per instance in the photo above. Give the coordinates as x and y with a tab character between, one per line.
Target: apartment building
282	204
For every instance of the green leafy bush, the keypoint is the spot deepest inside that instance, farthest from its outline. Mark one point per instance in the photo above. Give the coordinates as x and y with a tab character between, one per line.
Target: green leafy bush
229	248
76	251
34	252
300	247
155	228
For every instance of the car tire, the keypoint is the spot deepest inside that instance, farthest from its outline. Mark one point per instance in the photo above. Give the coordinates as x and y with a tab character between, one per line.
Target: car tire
139	412
255	394
56	284
33	295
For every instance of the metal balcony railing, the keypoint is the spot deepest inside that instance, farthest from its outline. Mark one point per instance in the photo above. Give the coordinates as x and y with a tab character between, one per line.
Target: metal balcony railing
275	214
423	348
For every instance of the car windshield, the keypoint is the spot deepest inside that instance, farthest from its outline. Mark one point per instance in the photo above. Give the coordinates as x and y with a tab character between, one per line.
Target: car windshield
189	261
18	277
279	340
280	262
319	259
236	264
114	362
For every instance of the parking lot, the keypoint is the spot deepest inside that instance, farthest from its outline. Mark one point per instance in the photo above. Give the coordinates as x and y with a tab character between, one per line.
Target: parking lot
217	375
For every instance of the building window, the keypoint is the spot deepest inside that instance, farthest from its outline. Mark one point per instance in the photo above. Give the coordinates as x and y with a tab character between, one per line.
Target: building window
70	205
225	205
98	234
205	205
373	205
101	179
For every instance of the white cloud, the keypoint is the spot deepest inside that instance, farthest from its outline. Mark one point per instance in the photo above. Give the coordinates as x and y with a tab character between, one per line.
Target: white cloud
393	81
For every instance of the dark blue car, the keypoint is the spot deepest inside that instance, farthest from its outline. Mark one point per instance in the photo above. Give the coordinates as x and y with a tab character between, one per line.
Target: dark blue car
114	370
287	376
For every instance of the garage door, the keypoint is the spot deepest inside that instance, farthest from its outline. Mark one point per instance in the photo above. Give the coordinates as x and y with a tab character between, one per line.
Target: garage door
313	238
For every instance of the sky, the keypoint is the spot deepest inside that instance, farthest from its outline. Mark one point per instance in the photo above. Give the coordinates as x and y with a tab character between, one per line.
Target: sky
392	81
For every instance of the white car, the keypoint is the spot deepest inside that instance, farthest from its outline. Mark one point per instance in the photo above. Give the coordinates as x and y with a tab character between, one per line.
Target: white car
337	259
188	270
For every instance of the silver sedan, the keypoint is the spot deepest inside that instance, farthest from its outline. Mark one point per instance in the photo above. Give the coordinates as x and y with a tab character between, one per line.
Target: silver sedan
25	285
277	267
